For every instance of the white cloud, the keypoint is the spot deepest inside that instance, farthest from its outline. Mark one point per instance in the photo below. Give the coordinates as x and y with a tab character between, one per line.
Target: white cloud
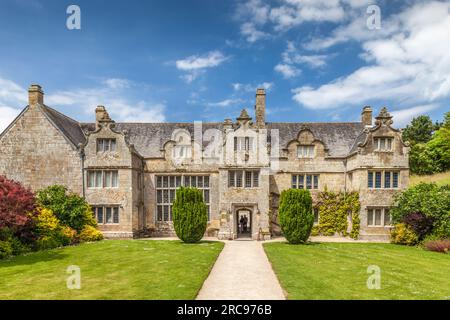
404	116
296	12
13	99
292	57
117	83
248	87
409	65
226	103
288	71
197	64
8	114
261	19
251	33
120	108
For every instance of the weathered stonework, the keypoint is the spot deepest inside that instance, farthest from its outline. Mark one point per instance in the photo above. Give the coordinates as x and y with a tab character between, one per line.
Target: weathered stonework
43	147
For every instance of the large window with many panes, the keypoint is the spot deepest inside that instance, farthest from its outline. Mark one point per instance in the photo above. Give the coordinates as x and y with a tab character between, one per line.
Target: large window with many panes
166	187
382	179
378	217
305	181
106	214
243	178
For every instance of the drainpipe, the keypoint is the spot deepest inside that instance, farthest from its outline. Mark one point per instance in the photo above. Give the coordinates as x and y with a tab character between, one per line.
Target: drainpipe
345	177
82	173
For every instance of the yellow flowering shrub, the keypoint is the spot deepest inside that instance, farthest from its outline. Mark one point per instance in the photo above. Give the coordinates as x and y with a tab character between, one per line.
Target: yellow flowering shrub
89	233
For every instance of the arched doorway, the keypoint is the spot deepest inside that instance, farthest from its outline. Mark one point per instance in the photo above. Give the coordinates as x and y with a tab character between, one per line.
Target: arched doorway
244	223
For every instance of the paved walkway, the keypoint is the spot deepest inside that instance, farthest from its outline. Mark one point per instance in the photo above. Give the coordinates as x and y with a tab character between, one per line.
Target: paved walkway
242	272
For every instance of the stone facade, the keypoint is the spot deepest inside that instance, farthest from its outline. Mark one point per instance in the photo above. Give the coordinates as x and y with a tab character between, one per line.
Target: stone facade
241	166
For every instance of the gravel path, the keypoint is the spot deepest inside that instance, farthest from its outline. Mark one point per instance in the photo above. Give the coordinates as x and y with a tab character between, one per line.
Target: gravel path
242	272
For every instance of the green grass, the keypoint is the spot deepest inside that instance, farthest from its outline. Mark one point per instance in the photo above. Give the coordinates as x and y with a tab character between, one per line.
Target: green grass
439	178
116	269
339	271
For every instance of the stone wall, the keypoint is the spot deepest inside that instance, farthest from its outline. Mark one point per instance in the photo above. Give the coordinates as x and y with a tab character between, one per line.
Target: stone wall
35	153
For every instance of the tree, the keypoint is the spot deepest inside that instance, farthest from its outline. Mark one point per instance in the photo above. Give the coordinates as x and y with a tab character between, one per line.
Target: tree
190	215
17	208
71	209
296	216
419	131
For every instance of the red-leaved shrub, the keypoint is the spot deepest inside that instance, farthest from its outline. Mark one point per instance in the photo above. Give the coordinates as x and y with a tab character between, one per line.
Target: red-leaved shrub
438	245
17	207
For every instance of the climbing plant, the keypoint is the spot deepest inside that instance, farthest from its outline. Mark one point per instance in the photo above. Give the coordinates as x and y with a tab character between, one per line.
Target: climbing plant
334	208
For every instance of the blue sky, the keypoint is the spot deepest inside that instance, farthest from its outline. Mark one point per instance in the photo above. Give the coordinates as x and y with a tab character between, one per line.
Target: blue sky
203	59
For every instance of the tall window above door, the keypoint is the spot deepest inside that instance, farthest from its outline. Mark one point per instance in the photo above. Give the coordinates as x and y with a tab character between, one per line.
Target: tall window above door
243	143
305	151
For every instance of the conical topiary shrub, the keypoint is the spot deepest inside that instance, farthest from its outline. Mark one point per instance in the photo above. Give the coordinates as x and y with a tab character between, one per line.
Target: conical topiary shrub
296	216
190	215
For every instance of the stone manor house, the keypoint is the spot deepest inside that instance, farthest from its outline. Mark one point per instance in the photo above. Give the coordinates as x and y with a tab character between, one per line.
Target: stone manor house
129	172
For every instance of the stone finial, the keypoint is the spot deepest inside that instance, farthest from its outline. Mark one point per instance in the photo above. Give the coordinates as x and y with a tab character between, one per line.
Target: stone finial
35	95
244	115
228	124
384	118
366	116
260	108
101	116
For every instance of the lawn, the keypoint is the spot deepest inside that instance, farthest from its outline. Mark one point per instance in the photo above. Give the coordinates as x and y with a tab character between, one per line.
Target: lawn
439	178
339	271
115	269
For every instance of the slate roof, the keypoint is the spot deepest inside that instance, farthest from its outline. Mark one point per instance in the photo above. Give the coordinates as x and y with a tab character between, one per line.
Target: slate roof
338	137
149	138
69	127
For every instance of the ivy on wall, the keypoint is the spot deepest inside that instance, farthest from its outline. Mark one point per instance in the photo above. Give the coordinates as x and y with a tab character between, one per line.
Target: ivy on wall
334	210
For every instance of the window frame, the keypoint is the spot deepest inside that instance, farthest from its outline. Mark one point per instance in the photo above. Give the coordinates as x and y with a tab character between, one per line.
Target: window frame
107	145
372	179
115	209
309	154
383	211
243	143
166	187
316	212
301	181
238	179
388	143
102	175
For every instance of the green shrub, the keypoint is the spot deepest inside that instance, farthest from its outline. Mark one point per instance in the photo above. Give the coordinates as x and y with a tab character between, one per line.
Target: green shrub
190	215
47	242
5	249
71	209
403	234
430	200
90	234
296	216
17	246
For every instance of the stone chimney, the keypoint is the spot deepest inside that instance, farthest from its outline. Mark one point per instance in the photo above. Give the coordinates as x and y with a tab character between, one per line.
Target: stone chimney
366	116
35	95
260	108
101	116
